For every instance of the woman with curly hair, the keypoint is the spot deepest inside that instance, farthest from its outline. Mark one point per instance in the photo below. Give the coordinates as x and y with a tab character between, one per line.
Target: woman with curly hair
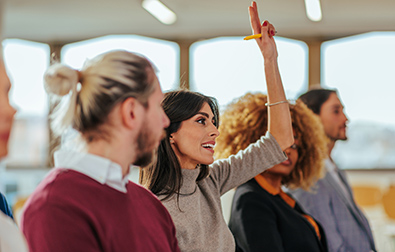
263	217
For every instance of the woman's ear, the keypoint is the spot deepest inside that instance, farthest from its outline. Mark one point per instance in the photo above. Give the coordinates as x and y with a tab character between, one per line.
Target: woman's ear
171	139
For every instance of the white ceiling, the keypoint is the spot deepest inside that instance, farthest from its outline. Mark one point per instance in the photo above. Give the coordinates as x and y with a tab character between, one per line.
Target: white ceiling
72	20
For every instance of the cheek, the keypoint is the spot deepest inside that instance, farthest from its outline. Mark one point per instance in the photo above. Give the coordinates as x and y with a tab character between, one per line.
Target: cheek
294	156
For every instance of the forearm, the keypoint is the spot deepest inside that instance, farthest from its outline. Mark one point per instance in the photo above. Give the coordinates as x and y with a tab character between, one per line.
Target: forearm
279	118
246	164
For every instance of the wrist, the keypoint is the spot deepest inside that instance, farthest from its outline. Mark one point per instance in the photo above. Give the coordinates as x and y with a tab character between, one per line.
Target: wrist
270	60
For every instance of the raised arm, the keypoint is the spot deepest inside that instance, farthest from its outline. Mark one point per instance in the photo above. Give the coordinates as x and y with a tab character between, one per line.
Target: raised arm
279	119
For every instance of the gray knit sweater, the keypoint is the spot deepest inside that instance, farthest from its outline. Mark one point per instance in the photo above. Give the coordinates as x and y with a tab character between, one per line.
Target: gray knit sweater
200	226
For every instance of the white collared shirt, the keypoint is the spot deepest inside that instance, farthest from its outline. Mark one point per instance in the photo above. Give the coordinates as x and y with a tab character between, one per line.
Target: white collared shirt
98	168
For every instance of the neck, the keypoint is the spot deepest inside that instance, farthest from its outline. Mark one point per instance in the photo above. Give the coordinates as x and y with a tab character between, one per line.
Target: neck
115	153
273	179
331	144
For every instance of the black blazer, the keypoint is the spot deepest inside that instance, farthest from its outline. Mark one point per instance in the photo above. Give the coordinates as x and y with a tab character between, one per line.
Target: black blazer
261	221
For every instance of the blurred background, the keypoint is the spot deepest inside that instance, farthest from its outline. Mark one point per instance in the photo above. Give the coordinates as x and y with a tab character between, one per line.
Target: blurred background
347	45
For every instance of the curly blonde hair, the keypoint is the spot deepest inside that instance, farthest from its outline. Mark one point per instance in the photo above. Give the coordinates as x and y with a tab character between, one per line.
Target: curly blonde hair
245	120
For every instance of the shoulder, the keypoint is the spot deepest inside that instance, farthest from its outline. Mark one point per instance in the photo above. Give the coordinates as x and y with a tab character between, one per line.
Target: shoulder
140	193
250	187
62	187
64	179
320	186
140	196
251	192
319	194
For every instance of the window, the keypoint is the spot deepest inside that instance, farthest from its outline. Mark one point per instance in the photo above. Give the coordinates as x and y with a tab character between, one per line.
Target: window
362	69
227	68
26	63
163	54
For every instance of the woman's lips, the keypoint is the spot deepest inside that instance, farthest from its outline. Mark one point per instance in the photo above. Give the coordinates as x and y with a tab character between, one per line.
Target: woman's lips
209	146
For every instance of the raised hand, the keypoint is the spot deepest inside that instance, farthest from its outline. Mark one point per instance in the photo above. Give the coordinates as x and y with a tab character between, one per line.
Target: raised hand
266	43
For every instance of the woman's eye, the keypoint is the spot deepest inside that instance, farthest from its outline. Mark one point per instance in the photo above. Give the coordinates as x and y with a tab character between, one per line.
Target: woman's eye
202	121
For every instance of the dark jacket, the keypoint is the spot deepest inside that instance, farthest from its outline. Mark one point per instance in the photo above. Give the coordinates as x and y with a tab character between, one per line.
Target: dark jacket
261	221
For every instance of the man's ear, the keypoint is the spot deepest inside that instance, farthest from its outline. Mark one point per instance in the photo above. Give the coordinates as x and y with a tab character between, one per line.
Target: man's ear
131	112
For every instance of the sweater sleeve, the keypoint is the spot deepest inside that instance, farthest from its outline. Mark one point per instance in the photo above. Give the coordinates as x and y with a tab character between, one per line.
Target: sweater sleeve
254	224
246	164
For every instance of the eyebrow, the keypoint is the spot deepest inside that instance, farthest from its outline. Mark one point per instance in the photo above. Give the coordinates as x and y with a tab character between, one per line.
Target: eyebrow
203	114
338	106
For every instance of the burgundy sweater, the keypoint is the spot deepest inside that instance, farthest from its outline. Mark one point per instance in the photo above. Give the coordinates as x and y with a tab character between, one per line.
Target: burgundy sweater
70	211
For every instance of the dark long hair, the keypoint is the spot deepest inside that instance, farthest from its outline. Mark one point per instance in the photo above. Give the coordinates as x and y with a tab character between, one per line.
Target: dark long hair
163	176
315	98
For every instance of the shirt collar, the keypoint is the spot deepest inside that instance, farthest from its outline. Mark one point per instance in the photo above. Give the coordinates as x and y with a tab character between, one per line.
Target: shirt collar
330	165
98	168
274	191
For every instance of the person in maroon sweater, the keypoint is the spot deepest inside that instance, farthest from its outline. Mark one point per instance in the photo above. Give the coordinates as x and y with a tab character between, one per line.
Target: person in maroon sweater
87	202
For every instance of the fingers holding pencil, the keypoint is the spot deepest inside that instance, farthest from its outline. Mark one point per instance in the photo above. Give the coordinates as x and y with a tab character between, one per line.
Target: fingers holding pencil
255	36
256	26
262	33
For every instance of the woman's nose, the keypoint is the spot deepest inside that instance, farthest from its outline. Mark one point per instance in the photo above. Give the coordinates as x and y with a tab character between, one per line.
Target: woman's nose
214	131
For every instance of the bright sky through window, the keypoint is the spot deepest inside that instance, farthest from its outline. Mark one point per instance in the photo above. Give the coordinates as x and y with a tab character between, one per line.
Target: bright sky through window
26	63
227	68
164	54
362	68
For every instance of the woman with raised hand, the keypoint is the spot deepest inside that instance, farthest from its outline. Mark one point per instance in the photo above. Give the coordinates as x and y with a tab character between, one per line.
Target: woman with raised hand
263	216
184	175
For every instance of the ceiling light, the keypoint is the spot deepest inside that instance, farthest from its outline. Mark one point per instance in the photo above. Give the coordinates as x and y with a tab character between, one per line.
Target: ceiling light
159	11
313	10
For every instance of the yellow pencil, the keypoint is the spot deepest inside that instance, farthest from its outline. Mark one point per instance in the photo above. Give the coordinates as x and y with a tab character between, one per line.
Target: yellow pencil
256	36
253	36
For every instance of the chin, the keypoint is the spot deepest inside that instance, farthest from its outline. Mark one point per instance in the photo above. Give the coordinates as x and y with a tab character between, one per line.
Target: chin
342	138
208	162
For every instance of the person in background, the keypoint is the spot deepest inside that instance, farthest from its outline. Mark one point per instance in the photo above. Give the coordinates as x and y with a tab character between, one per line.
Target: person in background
87	202
4	207
7	113
332	202
184	176
11	240
263	216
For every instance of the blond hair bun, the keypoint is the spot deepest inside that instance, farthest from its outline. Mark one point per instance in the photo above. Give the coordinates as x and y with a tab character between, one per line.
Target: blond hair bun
60	79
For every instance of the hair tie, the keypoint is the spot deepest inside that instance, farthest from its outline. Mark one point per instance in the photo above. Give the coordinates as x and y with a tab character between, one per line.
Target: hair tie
79	73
